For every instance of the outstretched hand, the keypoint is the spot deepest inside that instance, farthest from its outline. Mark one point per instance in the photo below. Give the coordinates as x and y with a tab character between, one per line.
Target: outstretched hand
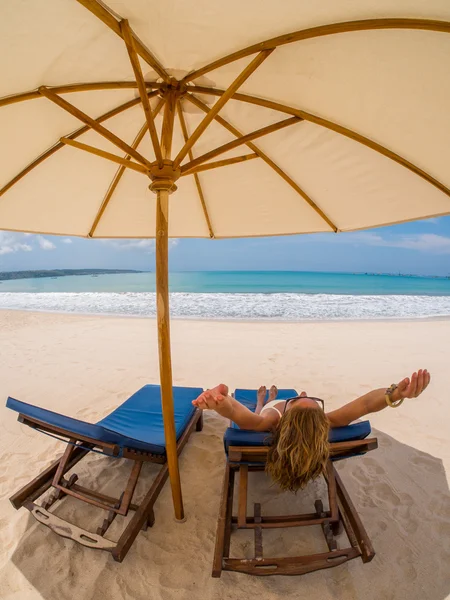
215	399
412	387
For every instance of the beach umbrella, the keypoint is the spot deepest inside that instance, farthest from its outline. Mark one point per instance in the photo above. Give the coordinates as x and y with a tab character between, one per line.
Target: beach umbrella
258	118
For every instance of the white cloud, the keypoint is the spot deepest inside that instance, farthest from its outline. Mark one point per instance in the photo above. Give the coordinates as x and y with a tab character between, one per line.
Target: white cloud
11	242
148	245
67	241
428	242
45	244
425	242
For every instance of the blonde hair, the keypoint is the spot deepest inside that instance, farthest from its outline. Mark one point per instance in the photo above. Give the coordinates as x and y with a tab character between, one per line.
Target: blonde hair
299	449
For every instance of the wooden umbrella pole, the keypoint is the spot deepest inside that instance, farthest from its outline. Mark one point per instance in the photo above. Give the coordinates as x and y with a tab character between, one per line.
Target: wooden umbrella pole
163	183
165	362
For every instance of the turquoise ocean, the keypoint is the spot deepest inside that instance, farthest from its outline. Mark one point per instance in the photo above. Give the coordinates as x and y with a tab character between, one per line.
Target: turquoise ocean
247	295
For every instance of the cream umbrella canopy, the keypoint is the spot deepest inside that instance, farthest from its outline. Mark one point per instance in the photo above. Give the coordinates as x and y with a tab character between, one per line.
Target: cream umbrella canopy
260	118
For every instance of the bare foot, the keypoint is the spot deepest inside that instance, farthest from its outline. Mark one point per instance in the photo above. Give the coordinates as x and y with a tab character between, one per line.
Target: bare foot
261	395
273	393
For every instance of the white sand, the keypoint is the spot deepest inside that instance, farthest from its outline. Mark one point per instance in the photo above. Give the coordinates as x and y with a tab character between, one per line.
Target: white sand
86	366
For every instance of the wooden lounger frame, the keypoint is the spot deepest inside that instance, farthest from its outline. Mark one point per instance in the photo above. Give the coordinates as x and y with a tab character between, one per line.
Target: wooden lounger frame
341	513
53	477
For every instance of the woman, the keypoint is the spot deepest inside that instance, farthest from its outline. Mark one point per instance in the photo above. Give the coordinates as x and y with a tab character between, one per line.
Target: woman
300	426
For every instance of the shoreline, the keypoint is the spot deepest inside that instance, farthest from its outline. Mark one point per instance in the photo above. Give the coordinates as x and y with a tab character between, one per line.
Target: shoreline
388	320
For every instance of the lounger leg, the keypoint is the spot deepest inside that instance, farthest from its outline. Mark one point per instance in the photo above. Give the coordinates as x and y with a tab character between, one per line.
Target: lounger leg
199	425
367	550
140	517
40	484
326	527
242	504
150	521
223	522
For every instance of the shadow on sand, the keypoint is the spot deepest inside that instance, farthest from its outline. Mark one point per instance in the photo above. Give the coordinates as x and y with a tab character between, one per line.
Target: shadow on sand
400	492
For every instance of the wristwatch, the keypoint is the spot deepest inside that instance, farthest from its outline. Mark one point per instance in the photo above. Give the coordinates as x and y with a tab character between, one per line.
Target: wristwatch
387	396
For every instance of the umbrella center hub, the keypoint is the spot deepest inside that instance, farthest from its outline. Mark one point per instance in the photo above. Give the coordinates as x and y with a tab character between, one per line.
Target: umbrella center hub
173	87
163	177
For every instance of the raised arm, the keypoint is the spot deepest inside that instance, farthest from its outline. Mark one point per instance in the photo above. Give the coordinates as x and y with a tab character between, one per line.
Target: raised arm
375	401
219	400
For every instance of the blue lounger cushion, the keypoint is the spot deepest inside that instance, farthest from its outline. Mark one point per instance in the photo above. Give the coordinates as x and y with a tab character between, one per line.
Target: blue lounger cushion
241	437
136	424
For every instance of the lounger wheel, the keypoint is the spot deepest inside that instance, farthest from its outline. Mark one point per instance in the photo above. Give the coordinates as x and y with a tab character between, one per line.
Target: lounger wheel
318	505
337	527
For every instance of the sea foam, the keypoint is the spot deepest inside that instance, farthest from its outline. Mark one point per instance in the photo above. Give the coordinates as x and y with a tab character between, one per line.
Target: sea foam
276	306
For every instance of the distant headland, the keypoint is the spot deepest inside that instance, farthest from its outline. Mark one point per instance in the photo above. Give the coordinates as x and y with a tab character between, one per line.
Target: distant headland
8	275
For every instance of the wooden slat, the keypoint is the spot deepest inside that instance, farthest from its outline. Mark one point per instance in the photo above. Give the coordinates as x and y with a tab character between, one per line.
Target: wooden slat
93	123
238	453
101	12
241	140
108	499
129	164
267	160
295	565
71	136
127	35
249	69
258	532
220	163
119	174
332	126
242	502
196	177
320	31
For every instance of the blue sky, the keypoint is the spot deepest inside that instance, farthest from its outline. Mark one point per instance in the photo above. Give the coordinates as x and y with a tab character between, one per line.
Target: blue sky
422	247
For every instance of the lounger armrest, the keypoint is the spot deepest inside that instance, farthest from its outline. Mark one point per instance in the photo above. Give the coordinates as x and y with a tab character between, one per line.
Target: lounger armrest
237	454
58	432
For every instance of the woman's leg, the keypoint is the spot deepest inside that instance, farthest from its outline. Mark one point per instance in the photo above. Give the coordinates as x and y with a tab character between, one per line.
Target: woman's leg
261	397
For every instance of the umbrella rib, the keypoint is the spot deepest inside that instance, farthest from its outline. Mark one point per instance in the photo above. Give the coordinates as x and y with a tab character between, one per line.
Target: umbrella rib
94	124
127	35
102	12
219	163
240	79
196	177
241	140
267	160
120	172
75	87
320	31
357	137
103	154
72	136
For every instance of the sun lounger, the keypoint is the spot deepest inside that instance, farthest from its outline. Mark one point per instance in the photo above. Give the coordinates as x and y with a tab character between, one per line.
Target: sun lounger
247	451
133	431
